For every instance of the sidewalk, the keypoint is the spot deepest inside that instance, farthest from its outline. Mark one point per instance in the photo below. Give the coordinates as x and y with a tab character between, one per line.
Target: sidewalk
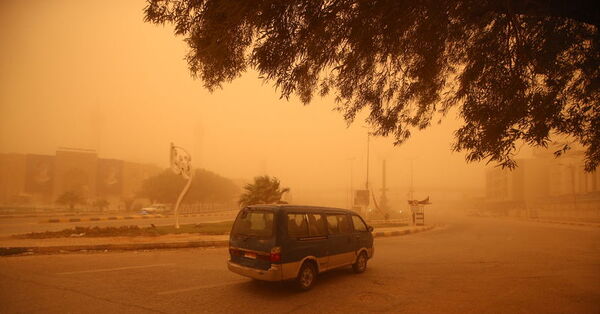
13	246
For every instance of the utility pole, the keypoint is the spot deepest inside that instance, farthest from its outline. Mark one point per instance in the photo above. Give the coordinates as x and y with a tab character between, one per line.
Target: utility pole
572	168
350	196
412	190
367	181
384	189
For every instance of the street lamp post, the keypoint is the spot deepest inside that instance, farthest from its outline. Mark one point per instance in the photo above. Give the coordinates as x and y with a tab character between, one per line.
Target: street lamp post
181	164
572	168
367	180
350	196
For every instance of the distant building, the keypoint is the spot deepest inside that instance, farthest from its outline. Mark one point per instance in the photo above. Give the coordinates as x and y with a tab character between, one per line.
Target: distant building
12	177
545	186
39	179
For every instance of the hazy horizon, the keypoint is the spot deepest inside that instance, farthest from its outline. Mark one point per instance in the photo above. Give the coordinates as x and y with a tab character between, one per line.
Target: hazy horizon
72	79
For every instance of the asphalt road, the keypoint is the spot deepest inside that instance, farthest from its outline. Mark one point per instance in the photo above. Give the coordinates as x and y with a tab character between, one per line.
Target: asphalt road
476	265
10	226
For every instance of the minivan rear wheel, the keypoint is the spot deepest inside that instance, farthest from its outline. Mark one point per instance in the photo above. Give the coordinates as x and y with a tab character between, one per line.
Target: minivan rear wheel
361	263
306	276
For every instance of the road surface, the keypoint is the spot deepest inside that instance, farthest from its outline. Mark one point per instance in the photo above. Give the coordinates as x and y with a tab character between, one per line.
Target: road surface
472	265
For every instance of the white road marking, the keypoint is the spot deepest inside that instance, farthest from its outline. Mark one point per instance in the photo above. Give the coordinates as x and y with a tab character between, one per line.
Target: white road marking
111	269
216	285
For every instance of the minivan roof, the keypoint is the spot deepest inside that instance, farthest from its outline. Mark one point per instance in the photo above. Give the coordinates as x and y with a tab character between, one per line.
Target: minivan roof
304	208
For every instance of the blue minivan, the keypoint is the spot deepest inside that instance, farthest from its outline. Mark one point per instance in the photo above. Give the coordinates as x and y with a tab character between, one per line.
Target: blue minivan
291	242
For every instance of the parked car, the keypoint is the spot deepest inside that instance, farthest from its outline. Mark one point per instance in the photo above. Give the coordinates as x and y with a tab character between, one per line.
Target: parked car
290	242
154	209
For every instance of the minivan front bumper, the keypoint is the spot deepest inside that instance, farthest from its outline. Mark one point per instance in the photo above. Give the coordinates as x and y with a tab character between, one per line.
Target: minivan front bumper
272	274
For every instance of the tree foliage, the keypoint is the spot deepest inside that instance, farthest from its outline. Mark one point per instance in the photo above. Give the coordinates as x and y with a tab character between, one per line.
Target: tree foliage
264	190
100	204
206	187
70	198
163	187
517	71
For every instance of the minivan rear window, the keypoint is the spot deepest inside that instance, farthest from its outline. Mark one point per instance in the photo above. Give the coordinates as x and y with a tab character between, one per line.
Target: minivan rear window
254	223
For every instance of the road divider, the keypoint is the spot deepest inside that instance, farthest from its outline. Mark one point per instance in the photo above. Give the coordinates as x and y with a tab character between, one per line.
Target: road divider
84	219
58	220
193	242
394	233
564	222
404	220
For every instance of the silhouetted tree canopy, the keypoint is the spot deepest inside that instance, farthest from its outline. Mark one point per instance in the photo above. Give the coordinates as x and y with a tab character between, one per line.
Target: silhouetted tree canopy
100	204
206	187
518	71
264	190
71	198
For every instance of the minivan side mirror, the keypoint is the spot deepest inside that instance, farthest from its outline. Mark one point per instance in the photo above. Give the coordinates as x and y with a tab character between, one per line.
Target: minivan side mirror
370	228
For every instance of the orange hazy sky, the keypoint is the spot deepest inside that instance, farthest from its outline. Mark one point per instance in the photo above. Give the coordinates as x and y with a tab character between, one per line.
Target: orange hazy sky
92	74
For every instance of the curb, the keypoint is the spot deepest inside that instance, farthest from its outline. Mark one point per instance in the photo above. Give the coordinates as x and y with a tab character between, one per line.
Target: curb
571	223
401	232
7	251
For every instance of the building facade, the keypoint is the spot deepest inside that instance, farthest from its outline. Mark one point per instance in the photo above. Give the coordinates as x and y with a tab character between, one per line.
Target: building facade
545	186
33	179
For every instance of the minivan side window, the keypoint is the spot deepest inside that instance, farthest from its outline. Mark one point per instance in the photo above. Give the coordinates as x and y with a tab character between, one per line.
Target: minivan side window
297	226
332	224
338	223
316	225
359	224
345	224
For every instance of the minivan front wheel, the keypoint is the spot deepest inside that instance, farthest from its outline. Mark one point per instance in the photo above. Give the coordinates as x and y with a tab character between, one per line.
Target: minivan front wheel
306	276
361	263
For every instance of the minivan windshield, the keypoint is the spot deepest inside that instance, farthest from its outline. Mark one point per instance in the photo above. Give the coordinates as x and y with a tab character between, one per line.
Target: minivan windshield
254	223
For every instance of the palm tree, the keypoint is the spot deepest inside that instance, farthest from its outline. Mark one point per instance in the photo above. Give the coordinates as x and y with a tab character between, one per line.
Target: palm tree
264	190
